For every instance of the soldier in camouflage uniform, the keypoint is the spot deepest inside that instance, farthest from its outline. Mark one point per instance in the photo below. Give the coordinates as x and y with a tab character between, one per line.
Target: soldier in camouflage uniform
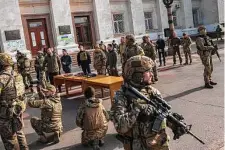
150	52
186	42
24	68
40	70
12	105
133	118
205	51
49	127
93	119
132	49
100	59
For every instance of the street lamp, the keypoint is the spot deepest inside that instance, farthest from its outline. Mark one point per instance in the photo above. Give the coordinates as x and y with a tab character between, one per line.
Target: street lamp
168	4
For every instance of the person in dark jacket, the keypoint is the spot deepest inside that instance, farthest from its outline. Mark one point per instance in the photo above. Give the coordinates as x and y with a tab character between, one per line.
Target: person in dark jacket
66	61
160	44
84	60
112	61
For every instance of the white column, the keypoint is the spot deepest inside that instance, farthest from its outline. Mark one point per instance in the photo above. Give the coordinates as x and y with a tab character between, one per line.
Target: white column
187	17
220	4
10	20
61	16
137	17
162	18
103	19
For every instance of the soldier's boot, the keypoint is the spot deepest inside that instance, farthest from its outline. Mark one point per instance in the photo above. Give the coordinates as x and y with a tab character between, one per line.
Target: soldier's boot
42	139
213	83
95	145
208	86
56	138
185	63
101	142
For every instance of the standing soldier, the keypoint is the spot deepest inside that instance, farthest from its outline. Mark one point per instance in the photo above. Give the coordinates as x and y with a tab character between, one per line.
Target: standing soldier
175	43
24	68
132	49
121	48
40	69
112	61
205	51
100	59
49	127
186	42
150	52
133	118
12	105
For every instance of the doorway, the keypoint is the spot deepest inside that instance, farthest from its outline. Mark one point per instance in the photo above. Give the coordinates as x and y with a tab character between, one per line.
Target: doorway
83	31
38	35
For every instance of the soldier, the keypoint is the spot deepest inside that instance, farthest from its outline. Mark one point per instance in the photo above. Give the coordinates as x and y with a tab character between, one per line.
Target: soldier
93	119
186	42
132	49
175	43
121	48
100	59
24	68
49	127
112	61
150	52
205	51
12	105
133	118
39	68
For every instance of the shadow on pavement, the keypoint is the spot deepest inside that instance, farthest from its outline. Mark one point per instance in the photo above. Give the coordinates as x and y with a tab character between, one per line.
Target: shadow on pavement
172	97
113	144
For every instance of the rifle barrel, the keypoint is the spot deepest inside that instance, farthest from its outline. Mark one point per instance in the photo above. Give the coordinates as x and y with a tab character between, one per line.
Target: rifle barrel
189	132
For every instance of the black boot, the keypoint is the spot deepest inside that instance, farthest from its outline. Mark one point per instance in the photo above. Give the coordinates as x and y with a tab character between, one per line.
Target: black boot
208	86
213	83
101	143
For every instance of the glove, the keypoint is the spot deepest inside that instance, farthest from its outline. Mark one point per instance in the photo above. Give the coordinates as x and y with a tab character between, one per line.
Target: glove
178	132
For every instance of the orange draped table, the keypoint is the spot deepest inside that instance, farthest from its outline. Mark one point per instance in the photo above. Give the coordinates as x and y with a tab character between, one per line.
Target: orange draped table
100	81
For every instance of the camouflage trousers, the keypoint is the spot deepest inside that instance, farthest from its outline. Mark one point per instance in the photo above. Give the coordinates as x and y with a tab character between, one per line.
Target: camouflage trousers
27	79
208	68
40	128
102	71
155	72
187	53
88	136
12	140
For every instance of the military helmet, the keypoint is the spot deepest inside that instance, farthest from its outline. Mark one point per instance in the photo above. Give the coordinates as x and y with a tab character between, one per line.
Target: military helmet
134	69
5	59
201	28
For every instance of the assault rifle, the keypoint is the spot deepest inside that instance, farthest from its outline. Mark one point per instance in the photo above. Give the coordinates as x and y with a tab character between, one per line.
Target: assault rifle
163	111
216	49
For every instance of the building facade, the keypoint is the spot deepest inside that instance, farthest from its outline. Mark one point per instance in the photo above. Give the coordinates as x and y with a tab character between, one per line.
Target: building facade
30	25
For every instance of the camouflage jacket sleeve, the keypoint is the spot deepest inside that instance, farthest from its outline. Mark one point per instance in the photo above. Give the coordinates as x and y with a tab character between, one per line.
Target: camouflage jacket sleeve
122	117
35	103
105	113
80	115
200	43
140	51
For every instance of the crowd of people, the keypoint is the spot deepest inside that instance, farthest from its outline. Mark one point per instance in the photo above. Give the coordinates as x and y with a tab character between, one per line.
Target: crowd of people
134	118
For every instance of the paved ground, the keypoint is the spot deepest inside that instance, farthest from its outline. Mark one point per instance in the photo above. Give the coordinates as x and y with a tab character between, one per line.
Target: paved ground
182	88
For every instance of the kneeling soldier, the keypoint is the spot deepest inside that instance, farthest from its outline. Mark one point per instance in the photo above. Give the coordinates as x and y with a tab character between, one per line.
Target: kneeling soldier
49	127
93	119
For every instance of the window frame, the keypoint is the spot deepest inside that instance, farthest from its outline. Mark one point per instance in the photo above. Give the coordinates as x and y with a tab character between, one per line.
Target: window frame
117	22
148	28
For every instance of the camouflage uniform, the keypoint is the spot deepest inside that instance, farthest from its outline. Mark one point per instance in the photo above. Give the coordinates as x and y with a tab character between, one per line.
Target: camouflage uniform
151	53
40	70
205	50
24	68
132	49
175	43
100	59
133	118
93	119
121	50
51	116
186	42
12	106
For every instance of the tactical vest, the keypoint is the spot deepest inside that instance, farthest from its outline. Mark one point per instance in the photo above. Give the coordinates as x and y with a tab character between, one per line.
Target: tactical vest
83	56
130	52
52	116
12	91
94	118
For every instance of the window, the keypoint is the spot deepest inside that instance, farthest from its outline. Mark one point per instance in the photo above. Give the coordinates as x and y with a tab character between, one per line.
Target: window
118	22
148	20
196	17
174	13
